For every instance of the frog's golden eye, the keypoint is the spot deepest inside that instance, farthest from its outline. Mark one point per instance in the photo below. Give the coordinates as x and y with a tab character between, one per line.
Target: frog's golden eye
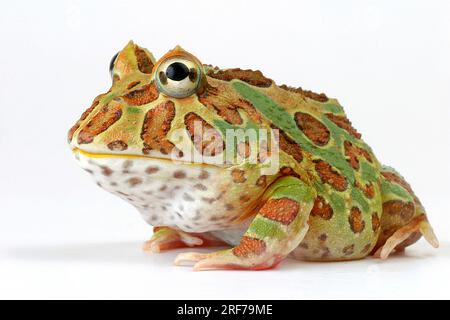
178	77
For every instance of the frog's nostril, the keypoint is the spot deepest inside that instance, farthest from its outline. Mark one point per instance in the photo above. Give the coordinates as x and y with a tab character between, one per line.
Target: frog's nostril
177	71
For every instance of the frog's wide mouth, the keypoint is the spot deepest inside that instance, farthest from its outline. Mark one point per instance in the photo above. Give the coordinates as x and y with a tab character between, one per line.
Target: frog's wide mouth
93	155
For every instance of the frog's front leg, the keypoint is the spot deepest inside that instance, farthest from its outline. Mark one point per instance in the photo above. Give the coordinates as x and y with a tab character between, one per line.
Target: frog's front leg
165	238
277	229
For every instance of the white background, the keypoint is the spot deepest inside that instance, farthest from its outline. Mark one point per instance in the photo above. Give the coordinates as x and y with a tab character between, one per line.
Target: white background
388	63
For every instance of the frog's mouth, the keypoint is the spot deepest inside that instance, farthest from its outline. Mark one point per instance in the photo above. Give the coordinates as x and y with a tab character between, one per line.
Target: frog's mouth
92	155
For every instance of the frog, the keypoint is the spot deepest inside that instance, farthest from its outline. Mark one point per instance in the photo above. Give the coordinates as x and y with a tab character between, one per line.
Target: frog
305	186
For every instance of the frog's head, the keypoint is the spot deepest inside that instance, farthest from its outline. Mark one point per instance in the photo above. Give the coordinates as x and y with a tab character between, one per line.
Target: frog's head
148	108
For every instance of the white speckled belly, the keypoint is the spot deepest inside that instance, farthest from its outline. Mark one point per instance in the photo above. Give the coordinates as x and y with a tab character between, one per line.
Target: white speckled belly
185	196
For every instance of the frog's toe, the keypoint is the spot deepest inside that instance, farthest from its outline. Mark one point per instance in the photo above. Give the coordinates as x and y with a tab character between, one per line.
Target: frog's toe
189	258
398	241
225	260
166	239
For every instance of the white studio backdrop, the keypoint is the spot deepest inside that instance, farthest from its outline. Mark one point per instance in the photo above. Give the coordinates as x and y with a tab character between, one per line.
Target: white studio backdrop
61	236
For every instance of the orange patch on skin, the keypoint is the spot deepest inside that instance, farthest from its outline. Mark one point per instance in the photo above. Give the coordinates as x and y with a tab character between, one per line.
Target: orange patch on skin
156	125
249	247
401	208
283	210
321	97
208	140
356	221
145	95
83	117
254	78
145	64
368	189
101	121
353	152
322	209
375	222
238	176
315	130
344	123
133	84
348	250
288	145
329	175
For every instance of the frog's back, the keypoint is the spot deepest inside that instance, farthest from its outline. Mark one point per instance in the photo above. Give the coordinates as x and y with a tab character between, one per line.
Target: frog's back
345	219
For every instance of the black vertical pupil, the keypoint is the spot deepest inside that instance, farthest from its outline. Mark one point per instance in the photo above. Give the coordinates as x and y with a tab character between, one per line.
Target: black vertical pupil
177	71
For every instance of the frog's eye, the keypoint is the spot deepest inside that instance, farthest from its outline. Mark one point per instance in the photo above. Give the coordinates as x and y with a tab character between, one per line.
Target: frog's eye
178	77
111	64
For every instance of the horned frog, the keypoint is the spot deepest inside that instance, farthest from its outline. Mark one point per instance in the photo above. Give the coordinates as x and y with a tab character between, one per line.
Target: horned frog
158	138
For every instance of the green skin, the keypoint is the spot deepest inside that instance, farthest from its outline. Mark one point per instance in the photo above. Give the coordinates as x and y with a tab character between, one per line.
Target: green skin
305	212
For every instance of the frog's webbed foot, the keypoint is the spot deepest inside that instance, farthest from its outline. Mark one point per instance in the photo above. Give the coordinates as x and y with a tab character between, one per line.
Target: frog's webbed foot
165	238
399	240
277	229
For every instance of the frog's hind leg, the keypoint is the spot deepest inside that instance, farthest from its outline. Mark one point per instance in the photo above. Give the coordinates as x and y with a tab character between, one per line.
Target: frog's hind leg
165	238
277	229
403	221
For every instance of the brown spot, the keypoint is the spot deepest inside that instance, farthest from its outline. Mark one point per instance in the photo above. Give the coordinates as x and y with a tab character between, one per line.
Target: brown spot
151	170
315	130
326	252
329	175
322	209
356	221
288	145
368	189
117	145
344	123
245	198
208	200
399	208
366	248
101	121
238	176
321	97
254	78
304	245
144	95
262	181
203	175
375	222
348	250
229	207
323	237
207	140
83	117
249	247
145	64
283	210
179	174
288	171
200	187
392	177
106	171
156	125
353	152
133	84
243	149
134	181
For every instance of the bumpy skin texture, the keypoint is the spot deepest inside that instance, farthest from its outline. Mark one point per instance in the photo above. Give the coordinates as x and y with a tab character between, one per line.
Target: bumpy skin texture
330	199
